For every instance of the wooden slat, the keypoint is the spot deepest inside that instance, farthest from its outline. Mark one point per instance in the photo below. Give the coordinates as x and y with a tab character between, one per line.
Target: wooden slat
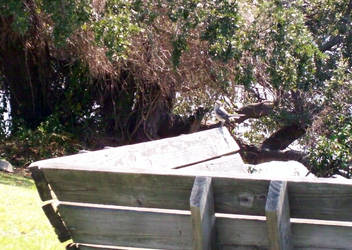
41	183
101	247
326	201
278	216
314	236
56	221
128	227
133	190
308	199
160	230
239	233
202	211
167	153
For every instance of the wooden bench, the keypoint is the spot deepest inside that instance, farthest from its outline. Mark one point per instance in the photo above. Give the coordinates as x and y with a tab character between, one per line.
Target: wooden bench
188	192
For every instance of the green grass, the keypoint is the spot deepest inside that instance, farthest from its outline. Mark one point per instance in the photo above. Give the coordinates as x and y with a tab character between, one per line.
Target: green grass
23	224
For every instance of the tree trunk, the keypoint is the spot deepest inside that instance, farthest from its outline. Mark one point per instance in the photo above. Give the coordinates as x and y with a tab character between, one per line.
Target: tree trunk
27	74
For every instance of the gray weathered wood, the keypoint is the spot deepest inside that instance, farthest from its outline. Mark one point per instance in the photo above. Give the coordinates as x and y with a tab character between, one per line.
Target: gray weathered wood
202	211
166	153
240	233
244	233
278	216
56	221
112	227
100	247
133	190
230	164
41	183
128	227
328	200
315	236
312	199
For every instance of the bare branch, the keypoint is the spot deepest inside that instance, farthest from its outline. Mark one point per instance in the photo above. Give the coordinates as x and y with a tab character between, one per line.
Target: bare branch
282	138
252	154
255	110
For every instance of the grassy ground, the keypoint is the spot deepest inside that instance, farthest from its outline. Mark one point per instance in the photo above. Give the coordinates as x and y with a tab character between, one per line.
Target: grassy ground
23	224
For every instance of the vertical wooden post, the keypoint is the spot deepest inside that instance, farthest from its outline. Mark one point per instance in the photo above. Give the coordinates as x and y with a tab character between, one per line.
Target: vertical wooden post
56	221
41	183
203	217
278	216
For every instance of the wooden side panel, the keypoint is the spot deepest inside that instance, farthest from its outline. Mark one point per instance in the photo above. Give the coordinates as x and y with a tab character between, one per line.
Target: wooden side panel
202	211
277	212
128	227
312	200
166	153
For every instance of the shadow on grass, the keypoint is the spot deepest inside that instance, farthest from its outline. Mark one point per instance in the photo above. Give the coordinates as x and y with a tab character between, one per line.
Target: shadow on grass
16	180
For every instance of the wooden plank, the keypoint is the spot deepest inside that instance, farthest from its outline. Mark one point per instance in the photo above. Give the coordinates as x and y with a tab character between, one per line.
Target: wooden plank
56	221
326	201
101	247
167	153
238	232
314	199
103	226
315	236
153	190
41	183
128	227
133	190
278	216
202	211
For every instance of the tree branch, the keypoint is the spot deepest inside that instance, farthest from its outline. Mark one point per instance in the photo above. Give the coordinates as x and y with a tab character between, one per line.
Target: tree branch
252	154
282	138
331	43
255	110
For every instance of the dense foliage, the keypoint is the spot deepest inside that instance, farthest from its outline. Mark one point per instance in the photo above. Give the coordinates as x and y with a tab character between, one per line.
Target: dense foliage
132	70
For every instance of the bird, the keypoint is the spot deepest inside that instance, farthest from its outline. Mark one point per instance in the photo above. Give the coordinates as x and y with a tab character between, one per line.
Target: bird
222	115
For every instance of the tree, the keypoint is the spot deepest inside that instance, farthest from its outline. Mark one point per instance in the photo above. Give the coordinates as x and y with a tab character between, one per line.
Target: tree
154	69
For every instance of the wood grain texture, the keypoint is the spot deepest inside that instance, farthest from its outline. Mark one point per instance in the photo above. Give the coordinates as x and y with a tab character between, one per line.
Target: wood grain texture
166	153
164	230
41	183
239	233
56	221
203	216
314	236
133	190
100	247
230	165
278	216
307	199
326	201
128	227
